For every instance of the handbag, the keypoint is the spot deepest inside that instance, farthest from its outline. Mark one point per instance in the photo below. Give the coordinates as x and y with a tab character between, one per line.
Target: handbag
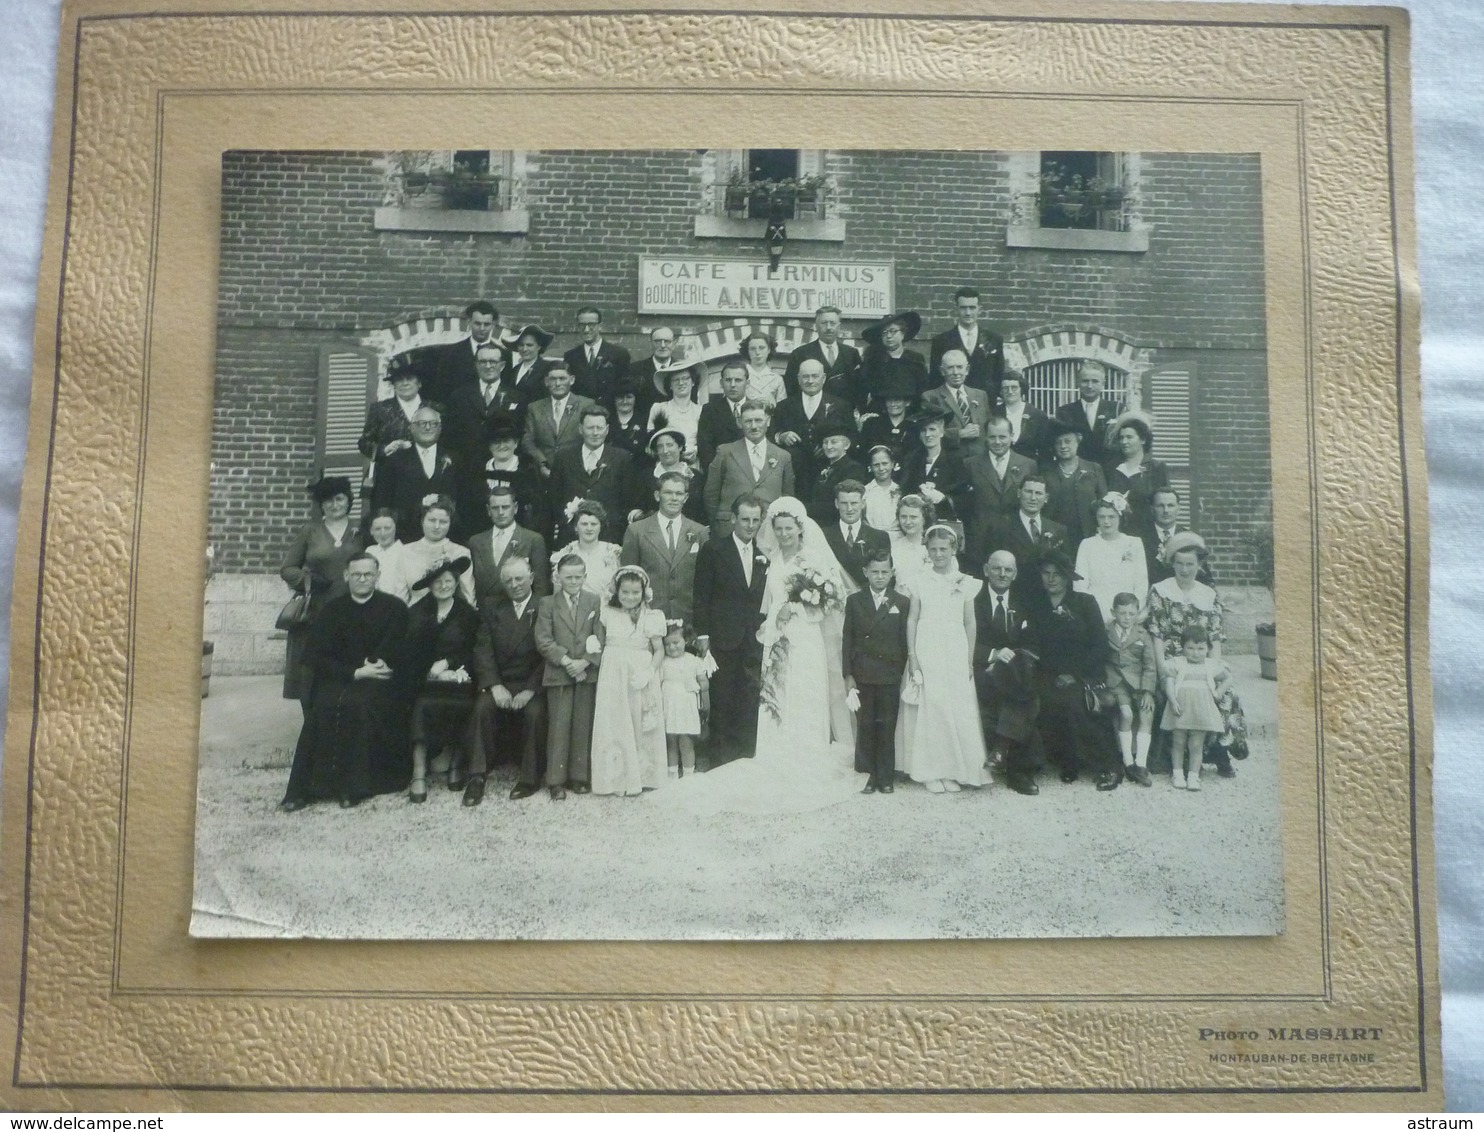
295	611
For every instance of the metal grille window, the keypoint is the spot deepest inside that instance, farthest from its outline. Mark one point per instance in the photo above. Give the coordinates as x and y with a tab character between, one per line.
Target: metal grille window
1055	383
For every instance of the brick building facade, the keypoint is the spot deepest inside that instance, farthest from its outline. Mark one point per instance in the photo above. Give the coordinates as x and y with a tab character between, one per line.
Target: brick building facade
324	250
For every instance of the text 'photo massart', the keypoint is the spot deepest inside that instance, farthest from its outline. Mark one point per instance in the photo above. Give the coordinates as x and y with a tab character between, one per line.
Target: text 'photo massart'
739	544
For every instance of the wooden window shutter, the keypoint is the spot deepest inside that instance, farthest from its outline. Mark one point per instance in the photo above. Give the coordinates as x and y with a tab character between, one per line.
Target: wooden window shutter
348	378
1167	396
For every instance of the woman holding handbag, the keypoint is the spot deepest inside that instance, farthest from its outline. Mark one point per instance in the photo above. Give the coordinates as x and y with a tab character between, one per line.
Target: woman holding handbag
314	568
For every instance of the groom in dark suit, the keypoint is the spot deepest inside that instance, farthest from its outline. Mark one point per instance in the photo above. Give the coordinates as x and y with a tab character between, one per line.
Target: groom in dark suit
731	575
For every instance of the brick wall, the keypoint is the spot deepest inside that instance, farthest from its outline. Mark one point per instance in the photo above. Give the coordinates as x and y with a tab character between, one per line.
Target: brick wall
303	266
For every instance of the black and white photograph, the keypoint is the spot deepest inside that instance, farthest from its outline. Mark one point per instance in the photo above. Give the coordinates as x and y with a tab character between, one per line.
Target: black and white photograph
740	544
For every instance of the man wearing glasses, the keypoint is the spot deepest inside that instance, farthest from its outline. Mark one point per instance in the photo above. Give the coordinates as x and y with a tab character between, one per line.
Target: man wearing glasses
595	363
408	477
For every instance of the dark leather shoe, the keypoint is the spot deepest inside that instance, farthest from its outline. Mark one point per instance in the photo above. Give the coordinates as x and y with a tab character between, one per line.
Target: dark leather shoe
474	791
1069	776
870	787
457	780
523	790
886	788
579	788
1138	774
1022	784
1107	782
1226	771
558	793
292	805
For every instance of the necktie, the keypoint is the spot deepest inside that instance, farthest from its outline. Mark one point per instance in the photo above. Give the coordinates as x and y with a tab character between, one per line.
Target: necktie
880	601
850	535
489	392
670	534
557	412
1035	529
592	354
963	405
736	411
757	463
829	355
745	549
1002	615
572	601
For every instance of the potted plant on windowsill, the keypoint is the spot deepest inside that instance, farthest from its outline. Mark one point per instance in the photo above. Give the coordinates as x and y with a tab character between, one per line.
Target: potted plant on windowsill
1076	197
1259	540
772	196
459	188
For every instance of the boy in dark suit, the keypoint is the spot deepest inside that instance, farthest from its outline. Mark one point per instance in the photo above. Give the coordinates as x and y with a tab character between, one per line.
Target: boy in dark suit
874	653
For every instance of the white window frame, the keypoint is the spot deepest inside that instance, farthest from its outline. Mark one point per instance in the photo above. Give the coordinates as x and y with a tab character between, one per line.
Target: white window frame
1024	228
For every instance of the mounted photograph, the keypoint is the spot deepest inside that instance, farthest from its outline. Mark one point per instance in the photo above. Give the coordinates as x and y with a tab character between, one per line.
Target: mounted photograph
707	544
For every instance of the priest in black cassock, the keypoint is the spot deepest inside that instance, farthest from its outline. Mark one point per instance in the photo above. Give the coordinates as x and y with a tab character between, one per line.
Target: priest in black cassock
354	742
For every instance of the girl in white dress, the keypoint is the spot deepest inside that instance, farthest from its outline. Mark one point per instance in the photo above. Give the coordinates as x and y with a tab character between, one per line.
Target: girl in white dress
1193	684
796	766
1110	561
628	750
684	695
909	557
947	747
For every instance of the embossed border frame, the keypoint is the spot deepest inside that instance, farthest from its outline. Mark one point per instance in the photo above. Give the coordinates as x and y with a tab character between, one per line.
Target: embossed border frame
99	790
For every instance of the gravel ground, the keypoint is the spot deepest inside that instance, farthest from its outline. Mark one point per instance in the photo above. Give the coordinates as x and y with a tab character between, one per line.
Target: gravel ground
978	864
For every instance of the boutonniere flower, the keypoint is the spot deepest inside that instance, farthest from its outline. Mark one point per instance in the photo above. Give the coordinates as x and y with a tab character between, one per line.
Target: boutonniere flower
772	461
446	463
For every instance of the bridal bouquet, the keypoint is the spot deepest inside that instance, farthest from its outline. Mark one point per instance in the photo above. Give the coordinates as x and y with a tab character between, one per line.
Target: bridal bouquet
811	588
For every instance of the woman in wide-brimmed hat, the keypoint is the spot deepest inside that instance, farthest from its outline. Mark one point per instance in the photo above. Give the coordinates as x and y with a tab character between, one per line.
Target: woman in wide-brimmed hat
526	371
667	448
890	426
682	377
439	667
1133	472
1066	632
315	563
886	363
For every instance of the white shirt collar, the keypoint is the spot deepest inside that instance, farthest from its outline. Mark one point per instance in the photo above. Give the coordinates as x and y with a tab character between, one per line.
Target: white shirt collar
520	606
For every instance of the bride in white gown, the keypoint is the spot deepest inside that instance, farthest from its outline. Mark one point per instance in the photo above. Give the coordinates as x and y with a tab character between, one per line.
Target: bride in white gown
797	765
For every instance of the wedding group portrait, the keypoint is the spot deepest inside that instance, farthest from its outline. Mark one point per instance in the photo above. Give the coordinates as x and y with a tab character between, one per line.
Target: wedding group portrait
739	543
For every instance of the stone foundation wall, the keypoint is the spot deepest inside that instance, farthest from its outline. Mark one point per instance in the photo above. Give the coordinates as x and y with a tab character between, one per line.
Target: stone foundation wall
240	611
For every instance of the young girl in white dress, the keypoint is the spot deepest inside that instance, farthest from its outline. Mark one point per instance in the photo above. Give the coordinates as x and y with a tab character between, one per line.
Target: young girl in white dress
391	553
684	695
946	748
628	748
1193	684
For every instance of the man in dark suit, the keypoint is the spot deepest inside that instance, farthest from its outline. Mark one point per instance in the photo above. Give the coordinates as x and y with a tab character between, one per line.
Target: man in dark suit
721	417
984	349
594	470
472	408
1165	511
453	365
1003	681
1027	535
841	363
1093	411
408	477
874	655
731	575
490	550
653	384
852	540
510	712
994	481
667	545
799	422
595	364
